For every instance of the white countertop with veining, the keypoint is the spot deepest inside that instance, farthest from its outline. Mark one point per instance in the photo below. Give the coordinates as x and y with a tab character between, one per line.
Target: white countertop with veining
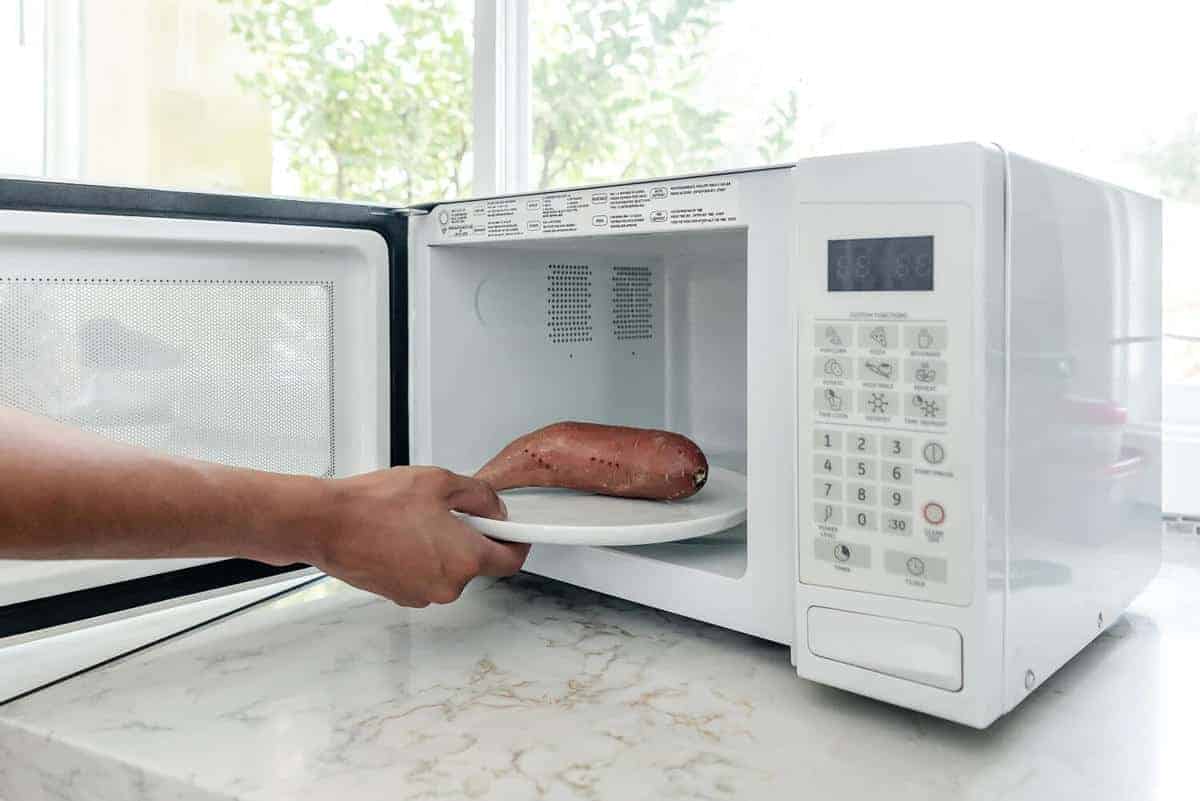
528	688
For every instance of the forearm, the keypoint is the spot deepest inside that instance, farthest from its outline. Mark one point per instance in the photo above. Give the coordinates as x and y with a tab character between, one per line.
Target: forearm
68	494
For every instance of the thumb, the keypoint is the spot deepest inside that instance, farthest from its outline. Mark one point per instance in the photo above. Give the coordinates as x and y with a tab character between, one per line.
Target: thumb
474	497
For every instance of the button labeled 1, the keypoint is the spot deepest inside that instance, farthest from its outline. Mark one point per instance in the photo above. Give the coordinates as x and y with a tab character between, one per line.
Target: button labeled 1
827	440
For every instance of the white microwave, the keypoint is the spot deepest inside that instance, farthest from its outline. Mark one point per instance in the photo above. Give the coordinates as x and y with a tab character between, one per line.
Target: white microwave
938	368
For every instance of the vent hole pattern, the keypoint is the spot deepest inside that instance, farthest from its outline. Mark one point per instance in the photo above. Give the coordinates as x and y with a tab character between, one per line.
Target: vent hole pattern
632	303
237	372
569	303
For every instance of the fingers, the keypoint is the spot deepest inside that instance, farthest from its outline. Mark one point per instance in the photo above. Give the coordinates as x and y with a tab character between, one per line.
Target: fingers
501	558
470	495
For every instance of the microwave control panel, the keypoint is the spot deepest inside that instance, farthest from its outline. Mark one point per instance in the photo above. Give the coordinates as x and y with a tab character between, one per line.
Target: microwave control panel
884	400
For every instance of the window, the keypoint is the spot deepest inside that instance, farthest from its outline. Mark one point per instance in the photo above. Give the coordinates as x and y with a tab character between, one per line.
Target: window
348	99
410	100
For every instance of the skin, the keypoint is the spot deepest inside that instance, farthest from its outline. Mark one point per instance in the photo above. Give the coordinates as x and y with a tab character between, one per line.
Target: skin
67	494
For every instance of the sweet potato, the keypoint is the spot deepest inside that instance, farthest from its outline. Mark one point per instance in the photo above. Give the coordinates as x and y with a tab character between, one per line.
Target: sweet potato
607	460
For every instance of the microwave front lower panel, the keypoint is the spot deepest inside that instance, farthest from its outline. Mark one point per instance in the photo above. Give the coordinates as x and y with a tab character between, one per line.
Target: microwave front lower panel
257	345
885	407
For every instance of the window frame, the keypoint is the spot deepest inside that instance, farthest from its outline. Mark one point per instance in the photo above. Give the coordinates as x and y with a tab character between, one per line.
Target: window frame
501	111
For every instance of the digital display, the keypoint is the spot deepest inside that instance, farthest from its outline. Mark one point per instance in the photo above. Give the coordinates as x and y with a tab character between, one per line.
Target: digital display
889	264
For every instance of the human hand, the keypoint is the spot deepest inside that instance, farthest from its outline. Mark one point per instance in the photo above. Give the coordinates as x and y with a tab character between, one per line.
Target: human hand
391	532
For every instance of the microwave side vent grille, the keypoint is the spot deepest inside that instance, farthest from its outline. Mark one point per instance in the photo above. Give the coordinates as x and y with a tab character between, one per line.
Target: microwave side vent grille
632	303
568	303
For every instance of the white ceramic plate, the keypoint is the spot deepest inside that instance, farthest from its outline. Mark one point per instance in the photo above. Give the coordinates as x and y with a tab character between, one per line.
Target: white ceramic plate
566	517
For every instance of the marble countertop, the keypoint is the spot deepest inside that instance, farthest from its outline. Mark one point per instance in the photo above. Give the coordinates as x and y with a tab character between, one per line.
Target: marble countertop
531	689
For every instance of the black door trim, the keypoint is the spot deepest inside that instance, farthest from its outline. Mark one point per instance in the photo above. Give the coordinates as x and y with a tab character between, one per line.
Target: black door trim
53	196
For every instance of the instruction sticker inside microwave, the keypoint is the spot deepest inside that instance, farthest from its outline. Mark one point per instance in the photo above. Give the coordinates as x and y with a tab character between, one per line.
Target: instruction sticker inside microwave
682	203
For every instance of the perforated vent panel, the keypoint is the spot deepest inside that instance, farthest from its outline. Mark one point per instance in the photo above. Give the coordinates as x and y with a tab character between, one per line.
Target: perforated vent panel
569	303
239	372
632	303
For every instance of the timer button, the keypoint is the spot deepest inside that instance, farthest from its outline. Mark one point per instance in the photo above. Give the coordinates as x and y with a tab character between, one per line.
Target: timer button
935	513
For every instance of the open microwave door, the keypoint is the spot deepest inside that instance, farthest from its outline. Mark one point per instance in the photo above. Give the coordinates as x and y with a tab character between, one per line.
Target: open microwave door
257	332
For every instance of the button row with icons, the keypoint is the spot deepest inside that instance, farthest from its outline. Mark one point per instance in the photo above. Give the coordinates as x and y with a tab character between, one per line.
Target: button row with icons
929	406
899	563
881	370
881	336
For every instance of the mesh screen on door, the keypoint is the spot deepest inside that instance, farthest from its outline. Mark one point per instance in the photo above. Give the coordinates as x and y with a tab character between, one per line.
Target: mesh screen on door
239	372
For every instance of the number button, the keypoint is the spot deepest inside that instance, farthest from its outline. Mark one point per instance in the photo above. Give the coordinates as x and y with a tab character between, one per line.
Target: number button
826	514
827	440
862	469
863	444
879	403
900	525
827	465
897	473
896	498
826	489
897	447
863	494
861	518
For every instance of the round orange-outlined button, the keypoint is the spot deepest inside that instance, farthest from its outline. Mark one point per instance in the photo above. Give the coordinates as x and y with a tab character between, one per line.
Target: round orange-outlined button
935	513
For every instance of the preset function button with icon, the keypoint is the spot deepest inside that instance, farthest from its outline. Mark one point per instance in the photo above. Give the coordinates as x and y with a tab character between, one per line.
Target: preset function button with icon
925	371
833	335
926	405
878	403
833	400
879	370
925	337
910	565
933	453
842	553
832	368
873	336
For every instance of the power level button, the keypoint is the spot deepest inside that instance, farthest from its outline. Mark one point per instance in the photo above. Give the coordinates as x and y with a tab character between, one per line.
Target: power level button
935	513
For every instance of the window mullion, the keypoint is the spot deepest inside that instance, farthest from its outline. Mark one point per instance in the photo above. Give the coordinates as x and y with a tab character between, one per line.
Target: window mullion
501	96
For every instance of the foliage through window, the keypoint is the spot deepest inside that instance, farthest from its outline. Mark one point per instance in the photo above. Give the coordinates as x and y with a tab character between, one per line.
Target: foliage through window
380	115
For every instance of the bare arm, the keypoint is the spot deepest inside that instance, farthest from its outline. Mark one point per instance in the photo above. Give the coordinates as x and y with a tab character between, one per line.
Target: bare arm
67	494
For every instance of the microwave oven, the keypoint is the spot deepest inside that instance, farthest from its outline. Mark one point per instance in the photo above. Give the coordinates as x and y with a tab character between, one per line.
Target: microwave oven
938	368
